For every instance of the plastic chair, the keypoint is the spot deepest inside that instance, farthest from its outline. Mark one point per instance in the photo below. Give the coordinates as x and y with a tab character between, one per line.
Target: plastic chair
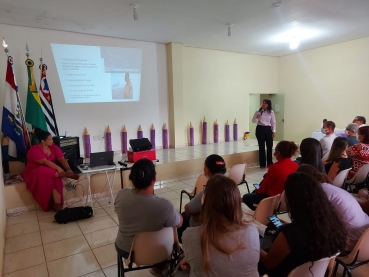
151	249
341	178
264	209
238	174
281	207
200	182
358	256
361	177
316	268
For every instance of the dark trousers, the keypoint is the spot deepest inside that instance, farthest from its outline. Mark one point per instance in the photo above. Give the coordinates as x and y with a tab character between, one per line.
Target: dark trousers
253	198
185	225
264	136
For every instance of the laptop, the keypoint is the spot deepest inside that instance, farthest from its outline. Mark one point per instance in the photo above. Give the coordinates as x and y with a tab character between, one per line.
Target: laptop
102	158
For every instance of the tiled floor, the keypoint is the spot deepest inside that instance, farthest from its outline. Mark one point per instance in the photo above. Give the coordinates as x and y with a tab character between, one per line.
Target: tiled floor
38	247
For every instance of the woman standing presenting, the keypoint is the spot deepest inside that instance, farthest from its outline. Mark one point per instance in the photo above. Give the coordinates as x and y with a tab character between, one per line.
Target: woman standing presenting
265	131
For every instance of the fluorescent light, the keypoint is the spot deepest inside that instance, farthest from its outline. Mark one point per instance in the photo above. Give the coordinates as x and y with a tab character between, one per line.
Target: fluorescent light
294	43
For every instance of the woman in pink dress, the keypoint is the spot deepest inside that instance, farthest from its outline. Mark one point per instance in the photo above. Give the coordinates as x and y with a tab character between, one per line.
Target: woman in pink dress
359	152
44	179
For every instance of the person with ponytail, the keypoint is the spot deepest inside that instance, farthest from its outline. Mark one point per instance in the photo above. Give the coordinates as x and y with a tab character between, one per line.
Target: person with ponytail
273	182
139	210
43	177
224	245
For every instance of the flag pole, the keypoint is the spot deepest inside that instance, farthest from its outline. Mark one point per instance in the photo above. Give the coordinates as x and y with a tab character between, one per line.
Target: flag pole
24	126
51	99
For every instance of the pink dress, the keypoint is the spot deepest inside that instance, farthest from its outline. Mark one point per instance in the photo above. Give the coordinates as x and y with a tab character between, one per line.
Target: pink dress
359	158
40	179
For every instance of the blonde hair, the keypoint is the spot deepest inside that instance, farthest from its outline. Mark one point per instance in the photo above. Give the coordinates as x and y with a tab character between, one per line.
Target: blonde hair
221	213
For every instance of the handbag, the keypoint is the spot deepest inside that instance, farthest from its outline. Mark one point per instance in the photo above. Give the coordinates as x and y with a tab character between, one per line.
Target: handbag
72	214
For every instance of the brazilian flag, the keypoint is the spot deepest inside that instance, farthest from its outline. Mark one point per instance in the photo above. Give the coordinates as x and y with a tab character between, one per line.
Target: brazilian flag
34	113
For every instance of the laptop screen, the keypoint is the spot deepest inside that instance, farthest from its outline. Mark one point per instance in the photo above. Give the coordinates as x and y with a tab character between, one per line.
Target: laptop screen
102	158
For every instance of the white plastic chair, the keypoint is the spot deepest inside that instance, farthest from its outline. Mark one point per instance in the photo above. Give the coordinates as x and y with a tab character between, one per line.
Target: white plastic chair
358	256
281	206
151	249
341	178
200	182
238	173
309	269
359	178
264	209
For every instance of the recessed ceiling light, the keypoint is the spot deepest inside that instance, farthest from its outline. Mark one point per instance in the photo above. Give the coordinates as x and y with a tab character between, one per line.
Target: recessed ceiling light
135	15
294	43
229	29
277	4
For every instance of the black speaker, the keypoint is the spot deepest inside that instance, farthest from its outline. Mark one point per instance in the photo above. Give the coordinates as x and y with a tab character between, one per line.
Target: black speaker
140	144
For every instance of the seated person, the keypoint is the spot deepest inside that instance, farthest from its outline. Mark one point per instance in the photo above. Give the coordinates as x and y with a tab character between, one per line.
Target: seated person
337	159
359	152
214	164
273	182
199	185
311	153
346	206
351	131
43	177
327	141
315	232
224	245
139	210
360	121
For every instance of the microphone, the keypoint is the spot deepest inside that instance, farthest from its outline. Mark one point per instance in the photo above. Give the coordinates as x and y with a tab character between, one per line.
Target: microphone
261	112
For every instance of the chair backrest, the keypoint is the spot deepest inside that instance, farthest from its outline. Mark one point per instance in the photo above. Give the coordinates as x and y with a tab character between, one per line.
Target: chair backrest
200	183
266	208
281	205
361	174
340	178
309	269
152	247
237	173
362	247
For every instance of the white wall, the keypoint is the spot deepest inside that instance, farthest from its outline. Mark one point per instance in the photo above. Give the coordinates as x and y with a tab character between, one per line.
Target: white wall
330	82
2	220
73	118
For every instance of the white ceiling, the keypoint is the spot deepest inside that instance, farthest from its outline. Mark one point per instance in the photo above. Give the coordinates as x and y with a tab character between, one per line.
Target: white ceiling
200	23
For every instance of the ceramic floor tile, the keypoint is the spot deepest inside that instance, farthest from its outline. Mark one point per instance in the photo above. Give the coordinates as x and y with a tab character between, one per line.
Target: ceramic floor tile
22	229
34	271
105	202
74	266
26	217
102	237
22	242
99	273
67	247
106	255
178	185
170	195
161	189
96	224
99	212
109	209
64	231
42	214
48	223
115	218
28	257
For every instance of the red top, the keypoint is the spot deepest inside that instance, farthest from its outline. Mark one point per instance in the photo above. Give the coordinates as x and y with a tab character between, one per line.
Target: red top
274	179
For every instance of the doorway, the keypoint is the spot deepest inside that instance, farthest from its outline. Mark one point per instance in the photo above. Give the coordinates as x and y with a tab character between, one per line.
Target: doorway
255	101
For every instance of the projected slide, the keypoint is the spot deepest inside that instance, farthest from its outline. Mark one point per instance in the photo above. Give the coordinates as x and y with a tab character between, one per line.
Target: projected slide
98	73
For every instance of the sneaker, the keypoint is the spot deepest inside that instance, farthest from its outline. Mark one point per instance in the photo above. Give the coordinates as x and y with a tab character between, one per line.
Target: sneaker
156	272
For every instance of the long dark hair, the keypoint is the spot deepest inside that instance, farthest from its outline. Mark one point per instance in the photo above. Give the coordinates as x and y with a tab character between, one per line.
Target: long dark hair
269	105
221	213
312	171
310	209
312	153
41	134
142	173
286	148
364	131
215	164
338	147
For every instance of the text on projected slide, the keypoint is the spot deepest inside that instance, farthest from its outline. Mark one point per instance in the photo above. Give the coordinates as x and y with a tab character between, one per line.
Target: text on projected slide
98	73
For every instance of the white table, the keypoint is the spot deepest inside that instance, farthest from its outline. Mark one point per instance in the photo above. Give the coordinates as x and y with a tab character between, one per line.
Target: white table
319	135
110	179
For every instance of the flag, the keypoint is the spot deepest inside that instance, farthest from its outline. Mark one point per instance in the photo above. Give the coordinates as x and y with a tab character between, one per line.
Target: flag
12	115
47	103
34	114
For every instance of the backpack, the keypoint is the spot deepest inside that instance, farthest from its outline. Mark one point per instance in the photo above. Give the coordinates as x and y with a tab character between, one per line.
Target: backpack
72	214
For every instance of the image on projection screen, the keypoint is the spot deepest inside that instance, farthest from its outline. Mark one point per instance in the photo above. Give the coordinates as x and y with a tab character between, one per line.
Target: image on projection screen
98	73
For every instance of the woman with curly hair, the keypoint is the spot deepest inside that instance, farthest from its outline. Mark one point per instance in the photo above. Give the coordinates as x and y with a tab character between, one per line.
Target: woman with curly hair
315	232
224	245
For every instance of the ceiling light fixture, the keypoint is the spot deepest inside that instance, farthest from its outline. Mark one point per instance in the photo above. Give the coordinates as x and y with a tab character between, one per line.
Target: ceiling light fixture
277	3
135	15
294	43
229	29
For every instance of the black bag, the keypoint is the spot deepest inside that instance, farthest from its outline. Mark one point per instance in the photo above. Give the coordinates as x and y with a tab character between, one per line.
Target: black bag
72	214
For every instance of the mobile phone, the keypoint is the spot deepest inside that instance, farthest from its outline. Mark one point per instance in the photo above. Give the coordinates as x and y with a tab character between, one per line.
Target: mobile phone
275	221
256	186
